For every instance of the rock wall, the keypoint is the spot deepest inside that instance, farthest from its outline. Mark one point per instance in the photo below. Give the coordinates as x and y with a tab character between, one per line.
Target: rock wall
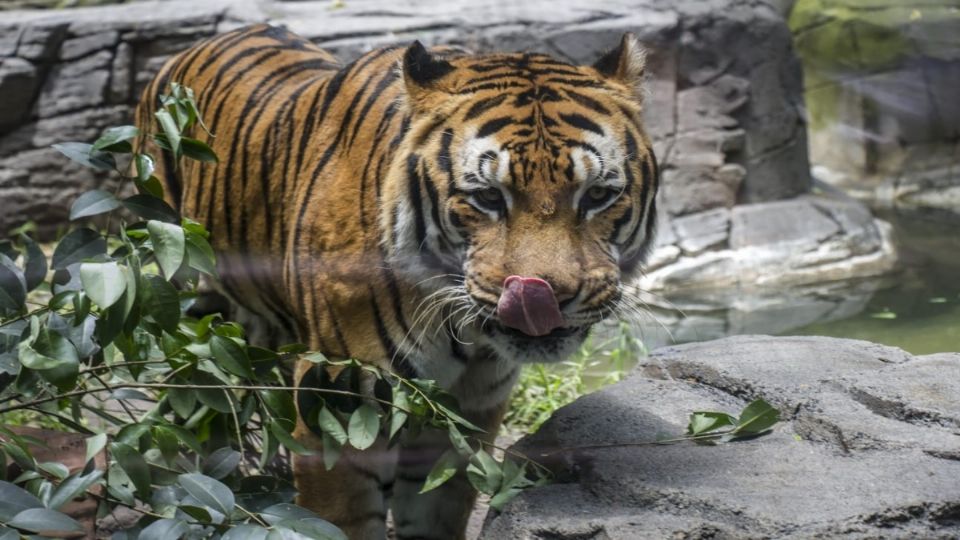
724	94
881	87
867	447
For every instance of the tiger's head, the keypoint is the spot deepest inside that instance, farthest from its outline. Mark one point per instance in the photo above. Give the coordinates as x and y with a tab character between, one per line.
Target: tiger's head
524	192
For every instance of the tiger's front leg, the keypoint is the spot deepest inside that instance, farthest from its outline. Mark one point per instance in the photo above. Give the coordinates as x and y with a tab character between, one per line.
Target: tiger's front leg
353	494
440	514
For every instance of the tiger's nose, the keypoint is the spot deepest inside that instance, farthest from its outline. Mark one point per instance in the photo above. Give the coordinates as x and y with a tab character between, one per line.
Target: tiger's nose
564	290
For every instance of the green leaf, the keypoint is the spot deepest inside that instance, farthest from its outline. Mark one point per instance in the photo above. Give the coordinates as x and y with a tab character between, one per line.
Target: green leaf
313	528
330	424
484	473
183	401
150	207
132	463
218	400
167	443
115	139
151	186
170	129
280	404
230	356
332	449
442	470
168	246
707	421
363	426
48	351
245	532
398	417
459	442
13	286
46	522
84	154
73	487
208	491
95	445
221	462
35	265
284	511
164	529
198	150
78	245
57	470
757	417
186	437
287	440
93	203
104	283
161	301
198	513
200	255
144	165
14	500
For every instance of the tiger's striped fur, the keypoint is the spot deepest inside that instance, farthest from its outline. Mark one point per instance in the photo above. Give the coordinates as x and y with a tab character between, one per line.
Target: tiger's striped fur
373	211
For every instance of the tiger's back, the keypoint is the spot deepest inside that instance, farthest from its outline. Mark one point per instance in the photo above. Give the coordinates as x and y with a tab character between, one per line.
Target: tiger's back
293	132
446	216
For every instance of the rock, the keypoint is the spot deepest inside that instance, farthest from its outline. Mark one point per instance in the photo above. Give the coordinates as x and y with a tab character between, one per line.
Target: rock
76	85
805	240
692	189
697	232
862	450
756	225
84	45
19	80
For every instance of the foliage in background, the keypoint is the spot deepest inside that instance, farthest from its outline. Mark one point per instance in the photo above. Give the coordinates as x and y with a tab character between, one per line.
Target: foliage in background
542	389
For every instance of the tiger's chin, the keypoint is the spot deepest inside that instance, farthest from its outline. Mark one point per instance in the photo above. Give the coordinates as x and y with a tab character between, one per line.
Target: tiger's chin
513	345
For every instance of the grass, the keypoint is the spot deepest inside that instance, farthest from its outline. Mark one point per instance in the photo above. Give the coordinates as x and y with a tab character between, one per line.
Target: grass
605	358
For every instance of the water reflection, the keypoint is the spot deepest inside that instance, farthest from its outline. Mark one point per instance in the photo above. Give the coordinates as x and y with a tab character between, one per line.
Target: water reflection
916	308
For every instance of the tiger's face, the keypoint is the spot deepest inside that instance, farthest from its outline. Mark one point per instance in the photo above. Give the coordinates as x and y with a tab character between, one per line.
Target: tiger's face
530	187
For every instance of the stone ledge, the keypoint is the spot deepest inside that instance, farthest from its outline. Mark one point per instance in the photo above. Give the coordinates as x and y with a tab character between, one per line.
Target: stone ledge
799	241
865	449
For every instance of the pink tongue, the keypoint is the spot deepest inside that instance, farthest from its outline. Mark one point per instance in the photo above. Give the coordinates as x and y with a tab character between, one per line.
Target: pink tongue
528	305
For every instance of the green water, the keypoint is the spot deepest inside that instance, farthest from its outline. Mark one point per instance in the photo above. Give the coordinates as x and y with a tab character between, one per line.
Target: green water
918	308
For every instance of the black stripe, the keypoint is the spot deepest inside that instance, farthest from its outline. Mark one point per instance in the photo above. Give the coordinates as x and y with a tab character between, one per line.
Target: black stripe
587	102
502	380
382	333
336	328
493	126
483	106
581	122
413	194
388	78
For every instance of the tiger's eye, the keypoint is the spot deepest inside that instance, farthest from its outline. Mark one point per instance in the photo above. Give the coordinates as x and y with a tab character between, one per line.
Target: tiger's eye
490	195
598	193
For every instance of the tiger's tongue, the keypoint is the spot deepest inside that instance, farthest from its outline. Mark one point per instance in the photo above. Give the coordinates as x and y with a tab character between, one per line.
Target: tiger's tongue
529	305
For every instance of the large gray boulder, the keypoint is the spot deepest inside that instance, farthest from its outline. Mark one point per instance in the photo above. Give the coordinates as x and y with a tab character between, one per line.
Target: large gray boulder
869	447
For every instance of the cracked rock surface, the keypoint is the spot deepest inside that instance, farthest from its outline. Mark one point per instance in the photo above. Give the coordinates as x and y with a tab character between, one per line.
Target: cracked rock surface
868	447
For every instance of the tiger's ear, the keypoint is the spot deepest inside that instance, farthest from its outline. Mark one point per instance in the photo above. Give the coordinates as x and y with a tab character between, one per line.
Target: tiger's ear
625	64
422	71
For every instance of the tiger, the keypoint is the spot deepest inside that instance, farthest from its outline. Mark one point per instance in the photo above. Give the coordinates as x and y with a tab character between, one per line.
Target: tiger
439	214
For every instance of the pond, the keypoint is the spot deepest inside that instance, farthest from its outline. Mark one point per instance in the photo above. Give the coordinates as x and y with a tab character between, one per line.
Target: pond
917	308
